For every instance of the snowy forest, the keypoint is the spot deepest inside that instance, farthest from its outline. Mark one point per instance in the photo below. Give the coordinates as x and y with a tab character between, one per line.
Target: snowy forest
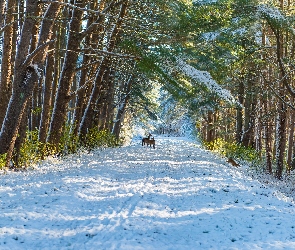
148	124
84	73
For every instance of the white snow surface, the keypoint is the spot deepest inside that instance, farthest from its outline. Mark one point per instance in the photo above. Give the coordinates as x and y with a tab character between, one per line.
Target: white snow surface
177	196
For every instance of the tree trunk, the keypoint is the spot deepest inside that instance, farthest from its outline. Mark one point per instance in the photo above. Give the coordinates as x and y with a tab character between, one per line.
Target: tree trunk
47	97
20	138
26	76
210	126
258	130
282	109
267	136
7	61
122	108
2	11
105	95
250	104
110	109
16	108
281	139
21	14
34	104
62	99
83	95
248	120
90	113
239	124
290	140
98	87
51	69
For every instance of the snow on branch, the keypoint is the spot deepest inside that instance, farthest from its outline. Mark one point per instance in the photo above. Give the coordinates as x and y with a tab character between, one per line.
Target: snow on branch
205	78
210	36
271	12
275	16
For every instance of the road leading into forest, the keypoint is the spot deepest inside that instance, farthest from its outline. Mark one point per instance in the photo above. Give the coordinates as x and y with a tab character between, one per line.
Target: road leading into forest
177	196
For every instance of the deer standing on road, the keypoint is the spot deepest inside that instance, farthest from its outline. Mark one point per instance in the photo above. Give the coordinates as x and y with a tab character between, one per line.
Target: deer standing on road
151	142
145	140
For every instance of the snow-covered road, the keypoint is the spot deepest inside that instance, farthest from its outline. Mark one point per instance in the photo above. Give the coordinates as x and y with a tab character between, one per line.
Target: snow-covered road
177	196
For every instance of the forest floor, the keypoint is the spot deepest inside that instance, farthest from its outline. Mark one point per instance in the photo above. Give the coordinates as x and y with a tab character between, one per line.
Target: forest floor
177	196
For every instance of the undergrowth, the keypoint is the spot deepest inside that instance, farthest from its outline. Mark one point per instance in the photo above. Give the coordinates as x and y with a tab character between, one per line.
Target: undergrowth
100	138
33	151
235	151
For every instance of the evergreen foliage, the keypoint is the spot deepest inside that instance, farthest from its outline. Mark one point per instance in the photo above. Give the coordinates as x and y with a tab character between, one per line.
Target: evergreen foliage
99	139
2	161
31	150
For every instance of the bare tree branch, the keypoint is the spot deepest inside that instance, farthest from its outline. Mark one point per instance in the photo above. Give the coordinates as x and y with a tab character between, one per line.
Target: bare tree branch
73	94
268	84
87	65
102	13
35	52
96	12
108	53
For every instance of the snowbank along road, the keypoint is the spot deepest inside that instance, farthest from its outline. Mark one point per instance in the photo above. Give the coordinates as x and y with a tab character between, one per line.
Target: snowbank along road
177	196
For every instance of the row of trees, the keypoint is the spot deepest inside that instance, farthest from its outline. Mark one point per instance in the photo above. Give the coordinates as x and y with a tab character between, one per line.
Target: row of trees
264	81
68	67
248	47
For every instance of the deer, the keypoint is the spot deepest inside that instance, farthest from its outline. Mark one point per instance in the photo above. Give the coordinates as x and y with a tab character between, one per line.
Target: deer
145	140
151	142
233	162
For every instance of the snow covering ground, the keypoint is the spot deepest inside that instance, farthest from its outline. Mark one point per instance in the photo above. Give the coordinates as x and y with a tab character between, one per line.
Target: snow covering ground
177	196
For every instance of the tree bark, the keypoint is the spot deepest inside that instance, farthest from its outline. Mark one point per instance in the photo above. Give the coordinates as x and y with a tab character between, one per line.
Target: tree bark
258	130
26	76
2	11
59	115
239	124
105	99
83	95
110	108
103	69
20	138
33	104
247	135
281	139
60	109
7	59
16	108
282	109
291	139
22	86
267	137
210	128
122	108
47	97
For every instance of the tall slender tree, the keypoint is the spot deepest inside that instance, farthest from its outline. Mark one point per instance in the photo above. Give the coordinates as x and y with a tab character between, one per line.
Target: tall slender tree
26	74
7	56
